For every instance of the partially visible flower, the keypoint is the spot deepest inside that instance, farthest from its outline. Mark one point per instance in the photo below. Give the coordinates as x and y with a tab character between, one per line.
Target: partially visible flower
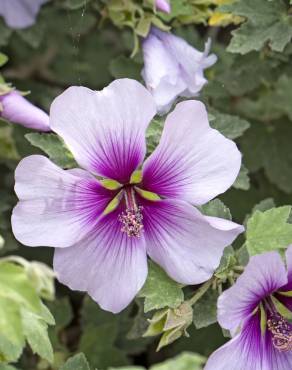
17	109
104	229
20	13
173	68
163	5
257	310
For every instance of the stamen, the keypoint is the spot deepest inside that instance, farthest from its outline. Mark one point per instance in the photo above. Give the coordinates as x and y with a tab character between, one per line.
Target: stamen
132	218
281	332
132	222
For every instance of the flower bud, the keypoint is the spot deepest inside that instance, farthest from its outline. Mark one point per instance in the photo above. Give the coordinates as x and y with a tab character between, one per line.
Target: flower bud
17	109
171	323
163	5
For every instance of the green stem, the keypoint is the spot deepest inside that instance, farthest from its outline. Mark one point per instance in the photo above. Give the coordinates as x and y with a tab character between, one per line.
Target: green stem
200	292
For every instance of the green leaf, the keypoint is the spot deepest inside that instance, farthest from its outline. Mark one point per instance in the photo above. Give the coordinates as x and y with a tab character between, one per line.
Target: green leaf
264	205
21	314
242	181
11	334
33	36
268	146
227	263
267	22
184	361
128	368
99	334
8	149
205	310
77	362
122	67
153	134
143	26
7	367
3	59
160	290
14	285
269	230
54	147
36	332
229	125
75	4
216	208
62	312
5	33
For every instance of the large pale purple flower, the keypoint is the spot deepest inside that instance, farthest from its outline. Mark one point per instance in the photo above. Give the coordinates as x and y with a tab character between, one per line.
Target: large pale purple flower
17	109
173	68
20	13
103	230
163	5
256	310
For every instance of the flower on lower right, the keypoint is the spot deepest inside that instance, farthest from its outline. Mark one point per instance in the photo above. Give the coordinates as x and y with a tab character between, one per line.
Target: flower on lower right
257	310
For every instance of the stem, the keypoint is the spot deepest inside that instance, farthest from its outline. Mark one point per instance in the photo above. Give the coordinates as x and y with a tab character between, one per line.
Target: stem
200	292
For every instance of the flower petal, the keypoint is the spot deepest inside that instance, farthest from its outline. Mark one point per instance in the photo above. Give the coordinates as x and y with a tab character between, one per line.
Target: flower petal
192	162
264	274
249	350
109	265
180	239
191	61
289	264
173	68
20	13
243	352
15	108
105	130
57	208
161	73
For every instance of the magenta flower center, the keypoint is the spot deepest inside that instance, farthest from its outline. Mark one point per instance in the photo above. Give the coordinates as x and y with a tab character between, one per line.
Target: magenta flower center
132	218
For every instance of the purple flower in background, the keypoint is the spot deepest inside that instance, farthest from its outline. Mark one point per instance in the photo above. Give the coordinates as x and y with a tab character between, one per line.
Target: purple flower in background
173	68
15	108
20	13
163	5
256	310
103	230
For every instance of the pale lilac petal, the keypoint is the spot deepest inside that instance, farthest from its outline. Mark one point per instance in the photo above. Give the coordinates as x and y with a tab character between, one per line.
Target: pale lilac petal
163	5
264	274
105	130
109	265
192	162
173	68
185	243
243	352
17	109
20	13
161	73
192	62
56	208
